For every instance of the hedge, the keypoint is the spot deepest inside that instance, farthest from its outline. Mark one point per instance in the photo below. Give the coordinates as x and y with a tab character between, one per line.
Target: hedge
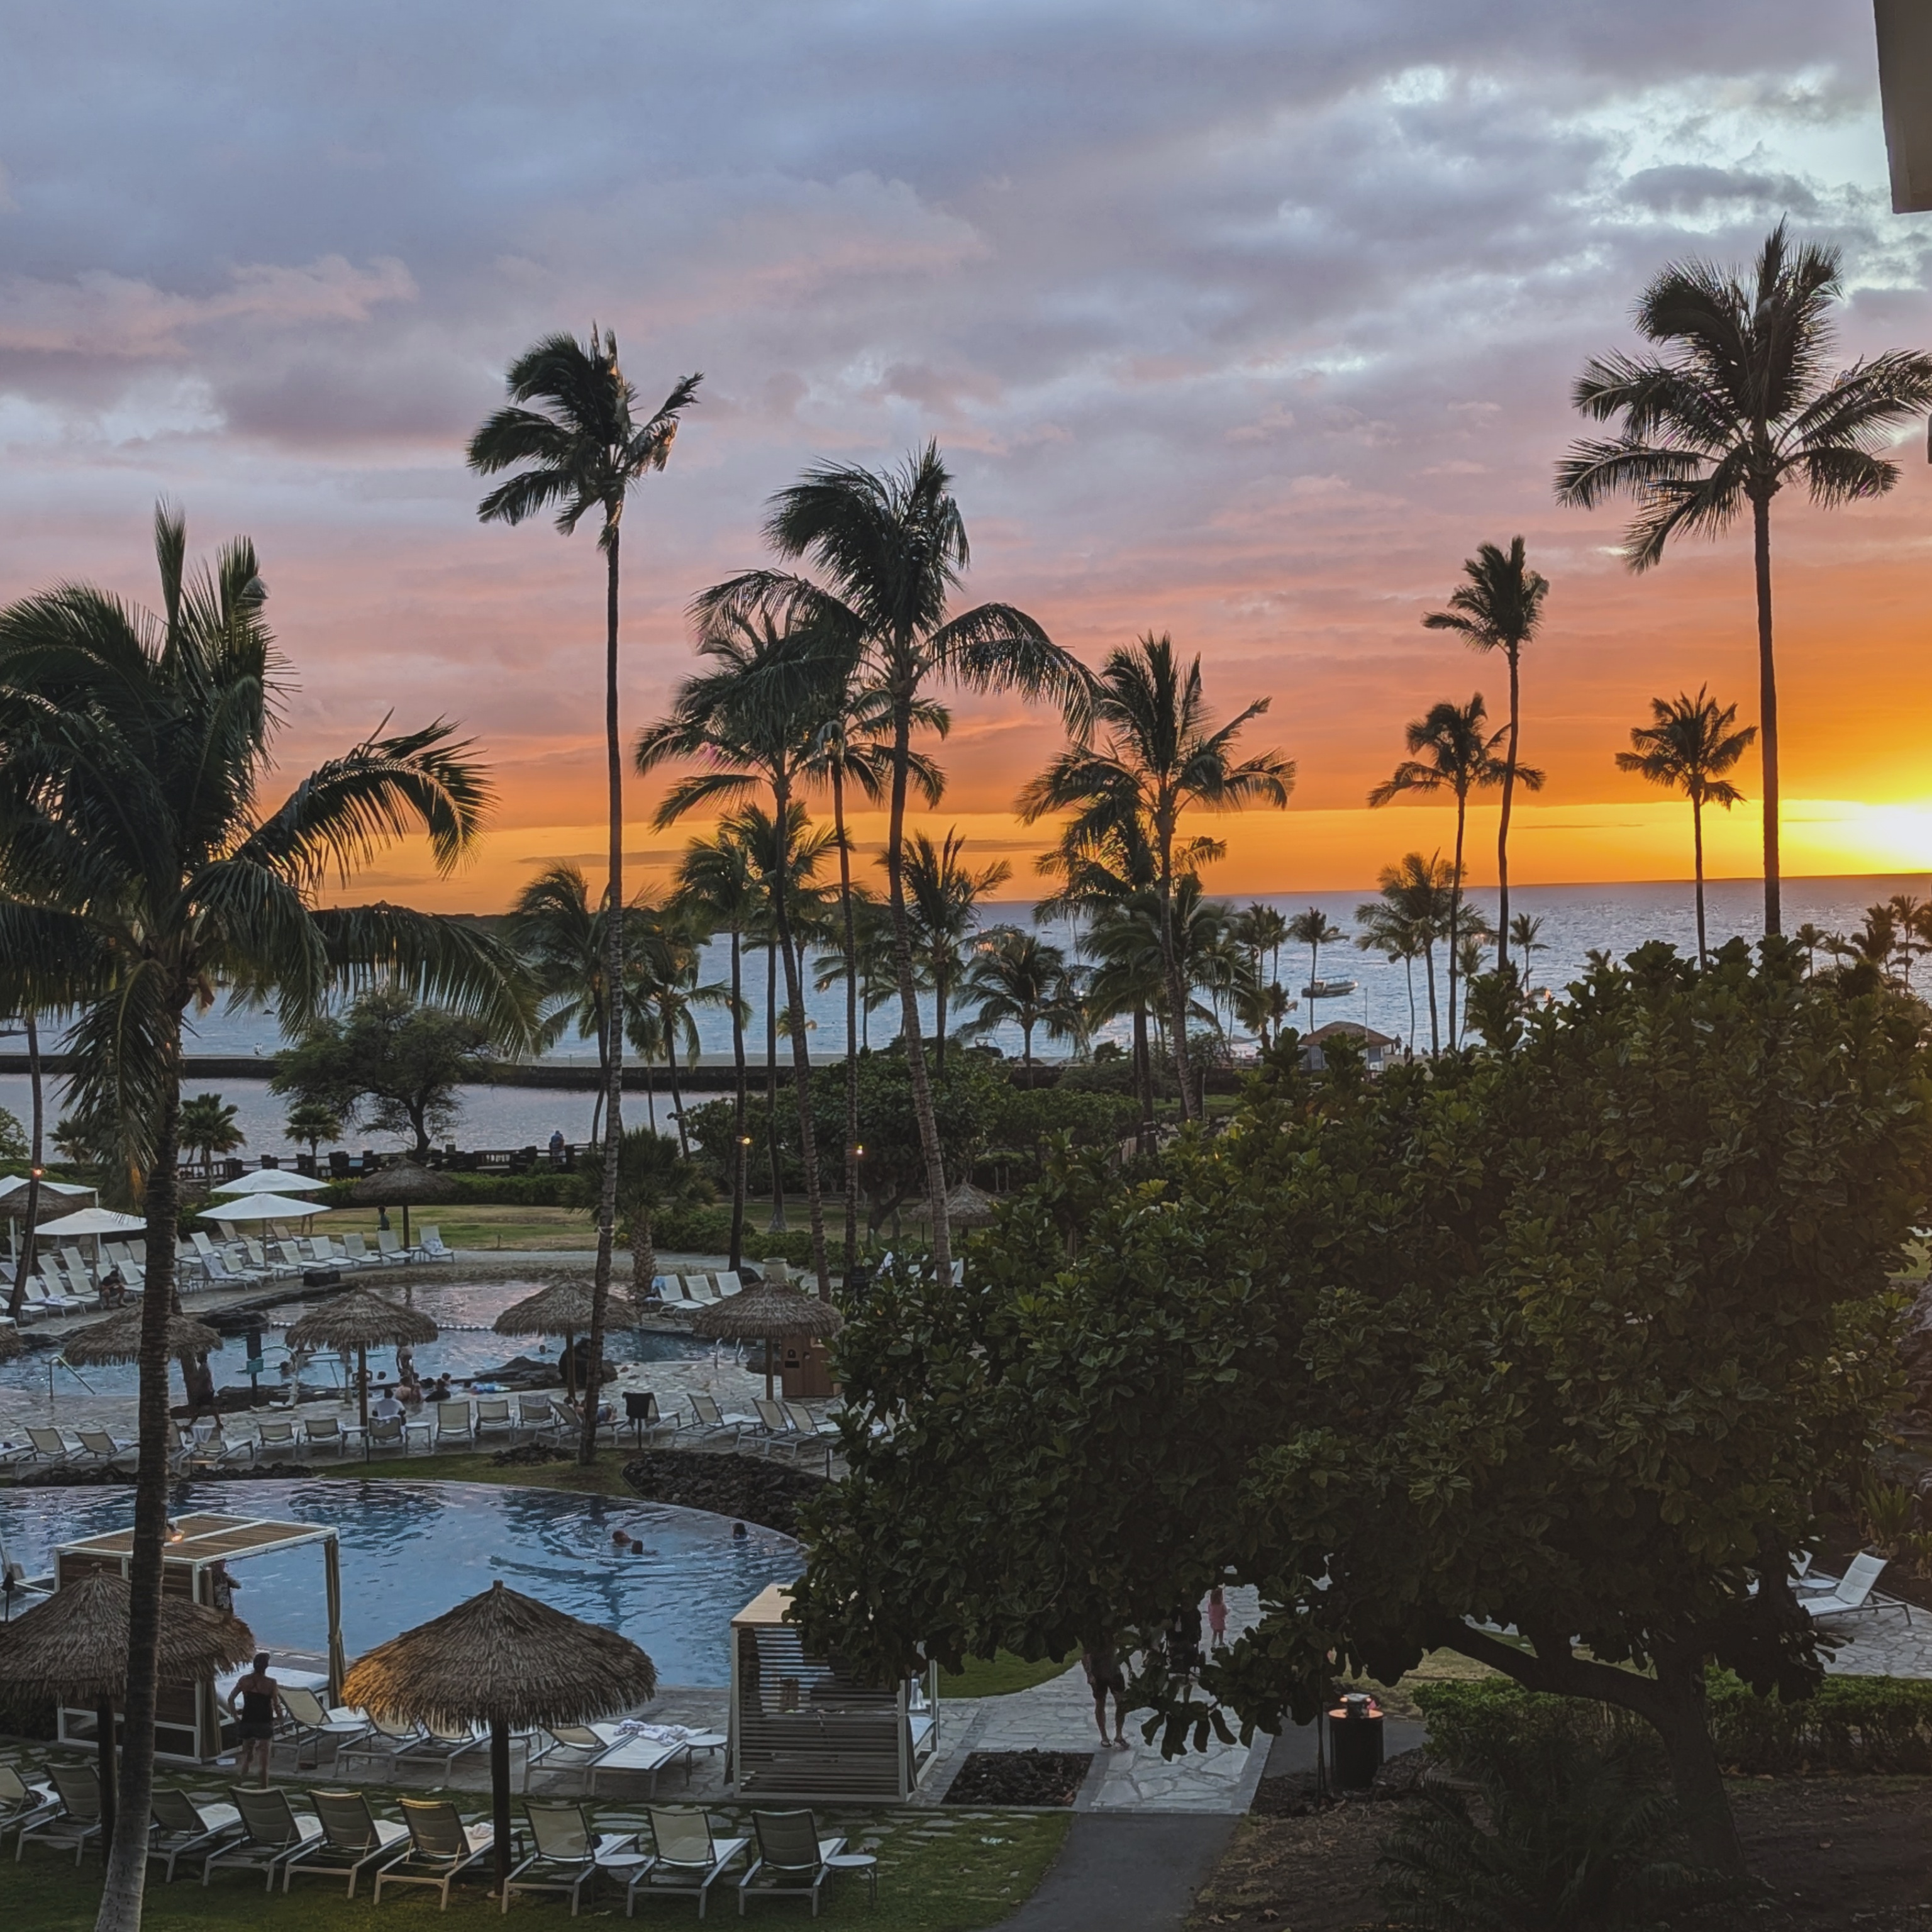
1878	1724
549	1188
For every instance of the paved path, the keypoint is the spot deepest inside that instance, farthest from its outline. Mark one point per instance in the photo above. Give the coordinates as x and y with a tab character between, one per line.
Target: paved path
1117	1873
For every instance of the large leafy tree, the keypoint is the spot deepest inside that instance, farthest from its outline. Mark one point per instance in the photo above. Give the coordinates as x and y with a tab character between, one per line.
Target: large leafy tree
890	548
1497	607
574	443
141	870
1689	745
1738	406
1159	757
1570	1334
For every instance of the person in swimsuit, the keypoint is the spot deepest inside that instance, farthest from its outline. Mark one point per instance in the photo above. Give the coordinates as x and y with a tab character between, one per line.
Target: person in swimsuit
255	1699
1106	1678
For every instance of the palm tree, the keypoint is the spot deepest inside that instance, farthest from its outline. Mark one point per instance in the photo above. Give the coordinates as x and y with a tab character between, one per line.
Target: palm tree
571	435
652	1176
23	1265
208	1127
1160	759
1419	896
718	874
140	871
311	1123
1452	754
664	987
1016	976
1688	745
1525	934
1314	929
1263	930
1497	607
1741	406
943	912
892	547
851	746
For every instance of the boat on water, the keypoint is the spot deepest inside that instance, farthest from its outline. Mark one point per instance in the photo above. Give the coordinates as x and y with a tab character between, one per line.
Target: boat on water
1328	989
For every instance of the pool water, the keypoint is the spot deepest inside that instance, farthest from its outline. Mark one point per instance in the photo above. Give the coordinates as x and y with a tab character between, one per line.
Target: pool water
467	1346
410	1551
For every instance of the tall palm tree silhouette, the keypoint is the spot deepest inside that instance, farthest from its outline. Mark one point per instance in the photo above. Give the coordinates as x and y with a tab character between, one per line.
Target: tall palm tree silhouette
572	436
1689	745
1741	406
1497	607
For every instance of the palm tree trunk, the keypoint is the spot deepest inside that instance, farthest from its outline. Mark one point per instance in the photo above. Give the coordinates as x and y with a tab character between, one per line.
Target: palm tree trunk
737	1257
613	1001
650	1097
776	1225
1697	848
801	1056
1434	1029
851	1022
915	1050
1143	1078
676	1095
1503	824
1177	994
1456	911
127	1858
1408	973
24	1261
939	977
1767	705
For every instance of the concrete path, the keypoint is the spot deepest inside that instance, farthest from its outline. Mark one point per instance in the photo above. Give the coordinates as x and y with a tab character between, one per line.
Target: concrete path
1125	1873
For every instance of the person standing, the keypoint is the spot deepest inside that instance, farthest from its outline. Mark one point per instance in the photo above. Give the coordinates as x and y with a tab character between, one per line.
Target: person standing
1217	1618
255	1699
1106	1679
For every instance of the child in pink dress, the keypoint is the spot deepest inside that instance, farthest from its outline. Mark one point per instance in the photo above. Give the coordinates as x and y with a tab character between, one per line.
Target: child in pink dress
1217	1618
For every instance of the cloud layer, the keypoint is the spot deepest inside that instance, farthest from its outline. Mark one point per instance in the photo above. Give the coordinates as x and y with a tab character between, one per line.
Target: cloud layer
1246	322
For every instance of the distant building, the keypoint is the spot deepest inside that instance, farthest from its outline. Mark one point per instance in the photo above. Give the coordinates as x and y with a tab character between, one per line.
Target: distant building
1376	1046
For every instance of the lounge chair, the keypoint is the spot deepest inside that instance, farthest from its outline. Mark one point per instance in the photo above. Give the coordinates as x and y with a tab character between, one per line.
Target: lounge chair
390	1432
776	1429
572	1748
209	1445
327	1431
220	1275
272	1832
48	1297
442	1848
643	1417
357	1251
493	1412
258	1260
686	1858
699	1288
391	1244
272	1434
353	1838
77	1821
569	1854
78	1273
728	1283
431	1248
98	1445
570	1421
182	1828
791	1854
22	1803
1852	1593
534	1414
50	1445
446	1743
708	1419
383	1739
455	1422
314	1723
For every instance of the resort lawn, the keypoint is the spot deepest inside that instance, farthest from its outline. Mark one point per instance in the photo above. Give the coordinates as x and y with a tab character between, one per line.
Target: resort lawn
939	1871
605	1478
1004	1674
540	1230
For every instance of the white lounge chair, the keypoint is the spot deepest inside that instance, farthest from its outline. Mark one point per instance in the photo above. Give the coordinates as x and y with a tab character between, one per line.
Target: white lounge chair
431	1248
182	1828
455	1422
1852	1593
391	1243
353	1838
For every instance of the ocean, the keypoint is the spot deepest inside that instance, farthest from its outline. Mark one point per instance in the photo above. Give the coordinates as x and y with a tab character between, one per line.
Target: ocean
1576	920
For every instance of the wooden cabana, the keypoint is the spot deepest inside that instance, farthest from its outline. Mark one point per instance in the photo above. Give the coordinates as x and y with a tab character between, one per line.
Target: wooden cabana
189	1718
801	1729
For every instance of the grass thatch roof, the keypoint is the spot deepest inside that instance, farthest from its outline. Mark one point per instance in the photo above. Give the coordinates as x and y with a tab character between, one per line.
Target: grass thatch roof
502	1657
360	1319
769	1313
404	1184
564	1308
118	1339
74	1644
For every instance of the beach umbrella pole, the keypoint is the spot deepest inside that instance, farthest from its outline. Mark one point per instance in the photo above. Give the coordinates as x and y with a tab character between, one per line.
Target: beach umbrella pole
499	1798
362	1392
768	1368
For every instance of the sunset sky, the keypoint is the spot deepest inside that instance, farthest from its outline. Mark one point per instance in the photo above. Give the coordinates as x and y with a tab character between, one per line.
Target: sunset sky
1241	321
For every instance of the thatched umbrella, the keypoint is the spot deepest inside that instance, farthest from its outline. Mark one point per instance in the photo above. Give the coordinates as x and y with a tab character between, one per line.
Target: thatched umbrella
73	1647
405	1184
360	1320
768	1313
504	1660
562	1309
118	1339
966	1207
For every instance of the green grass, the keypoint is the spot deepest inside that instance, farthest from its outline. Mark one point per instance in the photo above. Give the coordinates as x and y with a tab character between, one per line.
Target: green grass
1005	1674
604	1477
939	1871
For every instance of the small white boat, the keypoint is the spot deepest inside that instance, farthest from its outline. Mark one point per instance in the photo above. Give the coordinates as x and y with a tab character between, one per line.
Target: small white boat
1327	989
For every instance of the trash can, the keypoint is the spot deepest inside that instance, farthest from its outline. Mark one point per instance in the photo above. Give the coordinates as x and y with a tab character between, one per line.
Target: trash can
1355	1741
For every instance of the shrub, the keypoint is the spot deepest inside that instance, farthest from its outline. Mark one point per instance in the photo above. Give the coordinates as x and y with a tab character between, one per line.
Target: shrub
549	1188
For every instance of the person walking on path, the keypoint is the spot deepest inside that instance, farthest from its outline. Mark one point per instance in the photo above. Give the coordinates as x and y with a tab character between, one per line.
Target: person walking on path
1217	1617
254	1698
1106	1679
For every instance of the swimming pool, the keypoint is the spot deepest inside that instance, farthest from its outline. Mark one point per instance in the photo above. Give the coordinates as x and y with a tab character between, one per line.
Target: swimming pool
467	1346
412	1550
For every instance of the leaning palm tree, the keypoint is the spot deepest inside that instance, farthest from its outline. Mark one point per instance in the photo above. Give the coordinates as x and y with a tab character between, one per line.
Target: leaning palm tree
891	548
1741	406
852	746
943	896
749	721
1452	753
572	437
1418	896
1497	607
141	871
1160	759
1689	745
1015	976
719	875
1314	929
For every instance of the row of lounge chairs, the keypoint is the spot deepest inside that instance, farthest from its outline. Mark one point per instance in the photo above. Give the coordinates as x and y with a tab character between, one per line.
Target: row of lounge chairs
696	1290
244	1261
338	1835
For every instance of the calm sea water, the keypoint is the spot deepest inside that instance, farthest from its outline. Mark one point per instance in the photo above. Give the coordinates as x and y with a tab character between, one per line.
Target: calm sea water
1575	920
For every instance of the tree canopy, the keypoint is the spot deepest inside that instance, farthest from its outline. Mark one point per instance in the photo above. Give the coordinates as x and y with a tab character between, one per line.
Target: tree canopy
1569	1335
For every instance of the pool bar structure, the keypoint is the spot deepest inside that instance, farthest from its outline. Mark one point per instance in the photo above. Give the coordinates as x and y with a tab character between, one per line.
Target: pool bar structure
190	1719
801	1729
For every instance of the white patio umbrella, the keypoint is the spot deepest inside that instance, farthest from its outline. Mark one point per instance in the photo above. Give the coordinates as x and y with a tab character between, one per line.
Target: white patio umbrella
262	1208
94	1221
280	1181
